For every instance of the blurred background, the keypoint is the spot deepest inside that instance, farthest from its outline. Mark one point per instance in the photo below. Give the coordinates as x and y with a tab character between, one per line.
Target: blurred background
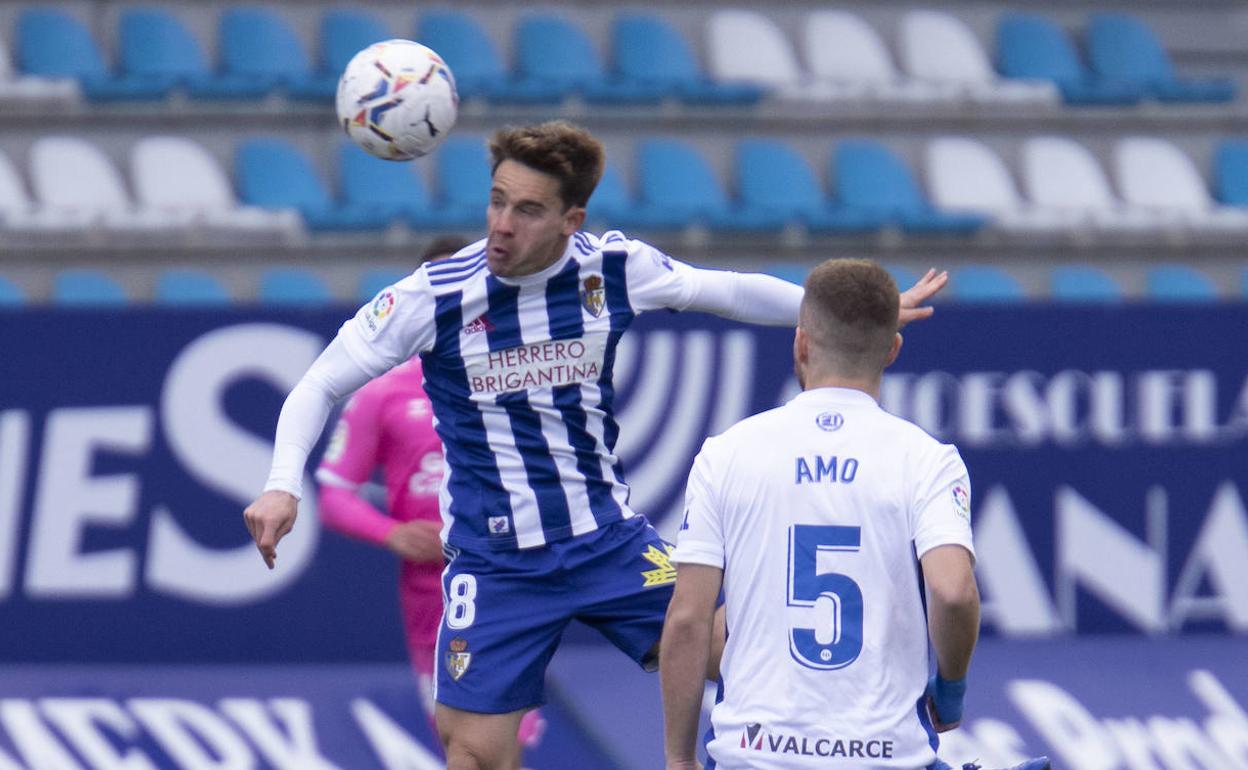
183	227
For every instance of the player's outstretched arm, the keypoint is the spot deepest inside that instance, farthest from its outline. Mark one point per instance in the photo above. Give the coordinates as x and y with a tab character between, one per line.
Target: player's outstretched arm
953	621
332	376
914	300
683	654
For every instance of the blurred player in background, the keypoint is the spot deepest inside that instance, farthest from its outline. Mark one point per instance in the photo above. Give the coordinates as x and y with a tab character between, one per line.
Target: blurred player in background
830	505
388	423
517	335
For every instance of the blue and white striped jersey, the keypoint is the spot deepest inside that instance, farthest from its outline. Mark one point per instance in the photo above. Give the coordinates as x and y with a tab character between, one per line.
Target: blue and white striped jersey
519	371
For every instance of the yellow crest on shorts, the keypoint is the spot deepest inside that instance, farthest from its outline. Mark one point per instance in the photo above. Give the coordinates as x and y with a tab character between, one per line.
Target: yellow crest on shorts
666	572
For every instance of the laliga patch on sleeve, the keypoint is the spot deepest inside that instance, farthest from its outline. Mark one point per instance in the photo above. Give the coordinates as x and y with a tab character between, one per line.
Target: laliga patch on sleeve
376	315
962	500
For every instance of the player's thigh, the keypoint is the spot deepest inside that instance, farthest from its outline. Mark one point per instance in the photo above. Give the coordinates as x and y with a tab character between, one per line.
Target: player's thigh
487	741
630	585
500	628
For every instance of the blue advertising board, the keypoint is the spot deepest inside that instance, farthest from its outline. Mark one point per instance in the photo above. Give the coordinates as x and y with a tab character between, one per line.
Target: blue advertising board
1107	451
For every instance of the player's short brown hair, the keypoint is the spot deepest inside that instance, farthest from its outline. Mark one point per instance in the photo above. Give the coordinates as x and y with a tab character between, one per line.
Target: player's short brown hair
849	312
567	152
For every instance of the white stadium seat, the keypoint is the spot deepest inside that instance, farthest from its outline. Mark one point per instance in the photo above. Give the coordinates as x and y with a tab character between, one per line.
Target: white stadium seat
745	46
939	47
72	175
965	175
177	175
1155	174
1060	173
843	49
20	216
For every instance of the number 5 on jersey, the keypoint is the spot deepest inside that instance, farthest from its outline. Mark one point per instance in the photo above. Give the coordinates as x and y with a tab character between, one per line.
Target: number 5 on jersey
835	601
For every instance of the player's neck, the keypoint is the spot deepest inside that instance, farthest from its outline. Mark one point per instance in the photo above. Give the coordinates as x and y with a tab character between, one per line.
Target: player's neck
827	380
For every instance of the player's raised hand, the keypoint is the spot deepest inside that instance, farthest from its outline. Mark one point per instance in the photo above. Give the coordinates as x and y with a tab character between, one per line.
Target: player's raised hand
268	519
418	541
913	299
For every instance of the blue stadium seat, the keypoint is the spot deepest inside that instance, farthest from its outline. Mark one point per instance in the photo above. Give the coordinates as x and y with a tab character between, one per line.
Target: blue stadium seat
773	176
1122	47
154	44
476	62
190	288
649	50
11	295
1178	283
258	43
373	281
983	284
1083	283
1230	172
674	176
613	207
551	49
346	32
292	286
87	288
392	190
274	174
1032	47
51	43
869	177
463	182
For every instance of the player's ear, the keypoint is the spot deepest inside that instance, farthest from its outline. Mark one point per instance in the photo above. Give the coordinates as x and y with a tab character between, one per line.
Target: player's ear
801	346
573	218
894	349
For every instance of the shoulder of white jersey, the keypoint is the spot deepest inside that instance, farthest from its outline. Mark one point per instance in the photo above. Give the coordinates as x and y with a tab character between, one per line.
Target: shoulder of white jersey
747	430
450	274
613	242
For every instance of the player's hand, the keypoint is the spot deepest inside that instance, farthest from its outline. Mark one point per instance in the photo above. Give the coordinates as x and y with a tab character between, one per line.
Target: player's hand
418	541
944	702
268	520
913	307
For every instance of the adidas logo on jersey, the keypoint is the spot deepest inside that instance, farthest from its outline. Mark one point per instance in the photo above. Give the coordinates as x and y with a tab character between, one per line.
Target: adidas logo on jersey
482	324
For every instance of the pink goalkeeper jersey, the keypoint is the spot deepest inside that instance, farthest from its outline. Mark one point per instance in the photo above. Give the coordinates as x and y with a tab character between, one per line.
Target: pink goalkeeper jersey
389	423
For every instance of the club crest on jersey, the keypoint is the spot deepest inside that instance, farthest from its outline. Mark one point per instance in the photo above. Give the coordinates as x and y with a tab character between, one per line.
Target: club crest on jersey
499	525
458	658
665	571
593	295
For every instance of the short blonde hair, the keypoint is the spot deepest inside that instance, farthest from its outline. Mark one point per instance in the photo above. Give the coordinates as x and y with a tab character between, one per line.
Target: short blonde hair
849	312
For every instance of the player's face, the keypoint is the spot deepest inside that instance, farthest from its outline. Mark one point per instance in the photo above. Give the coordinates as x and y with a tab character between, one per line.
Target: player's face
527	224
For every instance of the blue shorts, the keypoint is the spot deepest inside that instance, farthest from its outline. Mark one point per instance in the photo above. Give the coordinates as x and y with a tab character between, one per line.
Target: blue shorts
506	610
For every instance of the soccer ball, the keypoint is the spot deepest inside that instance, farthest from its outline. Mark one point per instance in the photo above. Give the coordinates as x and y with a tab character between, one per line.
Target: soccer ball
397	100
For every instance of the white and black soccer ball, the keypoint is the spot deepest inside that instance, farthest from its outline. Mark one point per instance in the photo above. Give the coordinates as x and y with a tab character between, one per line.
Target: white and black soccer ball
397	100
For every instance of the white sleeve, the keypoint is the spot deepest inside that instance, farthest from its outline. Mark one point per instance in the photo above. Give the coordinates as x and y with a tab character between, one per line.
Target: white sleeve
750	297
941	512
392	327
332	376
655	281
701	536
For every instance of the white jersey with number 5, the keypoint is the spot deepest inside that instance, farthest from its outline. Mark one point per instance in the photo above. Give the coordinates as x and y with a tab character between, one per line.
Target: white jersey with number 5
818	512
